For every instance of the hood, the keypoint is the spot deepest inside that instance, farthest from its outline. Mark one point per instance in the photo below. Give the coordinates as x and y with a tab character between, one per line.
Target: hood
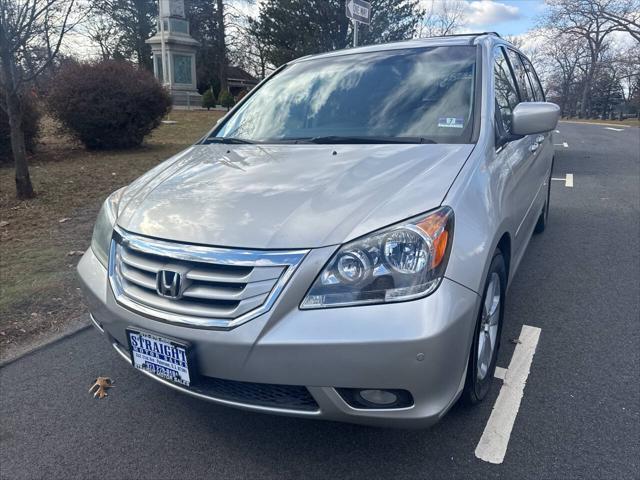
287	196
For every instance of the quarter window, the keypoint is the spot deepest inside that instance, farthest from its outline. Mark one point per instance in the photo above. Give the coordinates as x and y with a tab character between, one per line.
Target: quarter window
505	89
538	93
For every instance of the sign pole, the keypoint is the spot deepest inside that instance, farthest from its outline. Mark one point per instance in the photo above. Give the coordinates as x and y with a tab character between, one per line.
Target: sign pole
359	11
355	33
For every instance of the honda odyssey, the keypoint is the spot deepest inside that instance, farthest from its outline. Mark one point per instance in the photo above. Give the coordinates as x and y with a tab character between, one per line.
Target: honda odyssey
340	244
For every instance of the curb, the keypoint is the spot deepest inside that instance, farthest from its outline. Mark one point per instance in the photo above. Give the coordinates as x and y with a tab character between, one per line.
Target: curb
21	352
597	123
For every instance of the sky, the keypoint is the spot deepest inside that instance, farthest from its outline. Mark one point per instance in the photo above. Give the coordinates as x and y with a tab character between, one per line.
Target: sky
507	17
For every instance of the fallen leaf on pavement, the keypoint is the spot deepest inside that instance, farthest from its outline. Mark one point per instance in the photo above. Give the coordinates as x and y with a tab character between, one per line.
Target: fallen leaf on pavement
100	386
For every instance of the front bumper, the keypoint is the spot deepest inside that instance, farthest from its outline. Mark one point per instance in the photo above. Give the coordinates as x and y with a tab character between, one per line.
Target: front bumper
421	346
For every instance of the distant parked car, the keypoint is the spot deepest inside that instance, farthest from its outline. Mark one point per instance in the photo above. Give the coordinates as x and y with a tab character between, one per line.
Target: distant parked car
340	245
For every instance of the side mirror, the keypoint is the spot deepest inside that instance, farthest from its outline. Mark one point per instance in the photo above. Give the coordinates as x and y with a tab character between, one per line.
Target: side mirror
534	117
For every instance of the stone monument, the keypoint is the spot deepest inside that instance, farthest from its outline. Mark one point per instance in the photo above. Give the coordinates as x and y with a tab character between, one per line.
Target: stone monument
174	54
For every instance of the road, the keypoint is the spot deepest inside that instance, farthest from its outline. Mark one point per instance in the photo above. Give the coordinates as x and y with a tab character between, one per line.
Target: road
579	417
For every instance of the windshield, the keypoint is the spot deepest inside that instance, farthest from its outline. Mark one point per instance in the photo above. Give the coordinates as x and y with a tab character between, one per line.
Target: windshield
414	96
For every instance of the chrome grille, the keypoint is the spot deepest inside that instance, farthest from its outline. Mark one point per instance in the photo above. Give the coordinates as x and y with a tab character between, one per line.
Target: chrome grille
219	287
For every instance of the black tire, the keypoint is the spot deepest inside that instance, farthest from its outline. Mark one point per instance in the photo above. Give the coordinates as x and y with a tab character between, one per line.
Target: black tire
543	220
476	388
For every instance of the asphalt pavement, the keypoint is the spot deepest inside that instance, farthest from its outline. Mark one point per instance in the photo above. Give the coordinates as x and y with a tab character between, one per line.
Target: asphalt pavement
579	417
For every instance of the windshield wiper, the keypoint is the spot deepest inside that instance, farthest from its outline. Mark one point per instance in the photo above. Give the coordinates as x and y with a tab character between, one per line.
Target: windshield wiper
228	141
336	139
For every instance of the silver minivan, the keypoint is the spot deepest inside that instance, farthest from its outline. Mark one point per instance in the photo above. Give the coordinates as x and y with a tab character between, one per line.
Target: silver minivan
340	245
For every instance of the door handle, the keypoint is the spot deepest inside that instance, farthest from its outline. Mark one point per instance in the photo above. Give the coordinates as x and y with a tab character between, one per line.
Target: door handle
540	139
533	147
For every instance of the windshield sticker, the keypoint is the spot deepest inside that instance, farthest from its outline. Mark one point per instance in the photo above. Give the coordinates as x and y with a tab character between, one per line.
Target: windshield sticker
450	122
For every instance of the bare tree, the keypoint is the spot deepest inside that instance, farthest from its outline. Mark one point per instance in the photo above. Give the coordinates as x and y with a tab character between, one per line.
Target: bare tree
221	27
31	34
244	45
247	51
103	31
624	14
442	17
583	20
629	62
566	54
128	23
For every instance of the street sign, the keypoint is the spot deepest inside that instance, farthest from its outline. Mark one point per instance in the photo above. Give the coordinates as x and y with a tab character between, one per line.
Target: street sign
359	11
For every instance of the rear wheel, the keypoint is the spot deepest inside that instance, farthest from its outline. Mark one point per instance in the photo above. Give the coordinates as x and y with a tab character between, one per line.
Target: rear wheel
486	338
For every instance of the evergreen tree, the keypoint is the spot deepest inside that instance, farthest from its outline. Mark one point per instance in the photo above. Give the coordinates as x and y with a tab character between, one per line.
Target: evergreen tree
203	27
294	28
209	99
391	21
226	99
208	24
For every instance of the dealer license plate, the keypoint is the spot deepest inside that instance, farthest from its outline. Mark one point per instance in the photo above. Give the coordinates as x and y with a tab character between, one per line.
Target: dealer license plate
160	356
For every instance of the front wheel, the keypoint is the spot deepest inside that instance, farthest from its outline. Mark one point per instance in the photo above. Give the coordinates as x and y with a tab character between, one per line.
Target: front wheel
486	338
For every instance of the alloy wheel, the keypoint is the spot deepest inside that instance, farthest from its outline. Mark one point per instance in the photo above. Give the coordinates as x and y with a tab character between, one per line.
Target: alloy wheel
488	335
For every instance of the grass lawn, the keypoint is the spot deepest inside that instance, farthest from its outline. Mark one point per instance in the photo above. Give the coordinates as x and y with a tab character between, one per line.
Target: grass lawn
633	122
41	239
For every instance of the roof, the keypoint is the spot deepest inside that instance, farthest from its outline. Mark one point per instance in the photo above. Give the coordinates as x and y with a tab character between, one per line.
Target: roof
448	40
238	73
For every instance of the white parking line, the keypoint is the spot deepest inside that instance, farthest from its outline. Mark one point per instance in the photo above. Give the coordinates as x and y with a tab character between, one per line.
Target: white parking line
492	446
614	129
568	180
563	144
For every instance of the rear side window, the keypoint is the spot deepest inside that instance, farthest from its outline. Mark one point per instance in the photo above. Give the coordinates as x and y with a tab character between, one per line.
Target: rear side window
536	87
505	89
521	76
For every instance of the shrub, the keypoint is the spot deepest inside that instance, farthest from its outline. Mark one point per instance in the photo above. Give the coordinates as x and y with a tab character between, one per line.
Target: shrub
209	99
30	126
109	104
226	100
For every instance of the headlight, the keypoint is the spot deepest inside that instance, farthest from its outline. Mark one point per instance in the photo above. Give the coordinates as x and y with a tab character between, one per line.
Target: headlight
103	229
403	262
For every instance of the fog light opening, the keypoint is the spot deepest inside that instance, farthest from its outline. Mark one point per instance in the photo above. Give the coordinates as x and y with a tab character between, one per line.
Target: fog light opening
376	398
379	397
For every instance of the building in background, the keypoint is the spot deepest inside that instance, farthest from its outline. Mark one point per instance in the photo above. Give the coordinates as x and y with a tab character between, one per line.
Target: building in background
174	53
240	80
